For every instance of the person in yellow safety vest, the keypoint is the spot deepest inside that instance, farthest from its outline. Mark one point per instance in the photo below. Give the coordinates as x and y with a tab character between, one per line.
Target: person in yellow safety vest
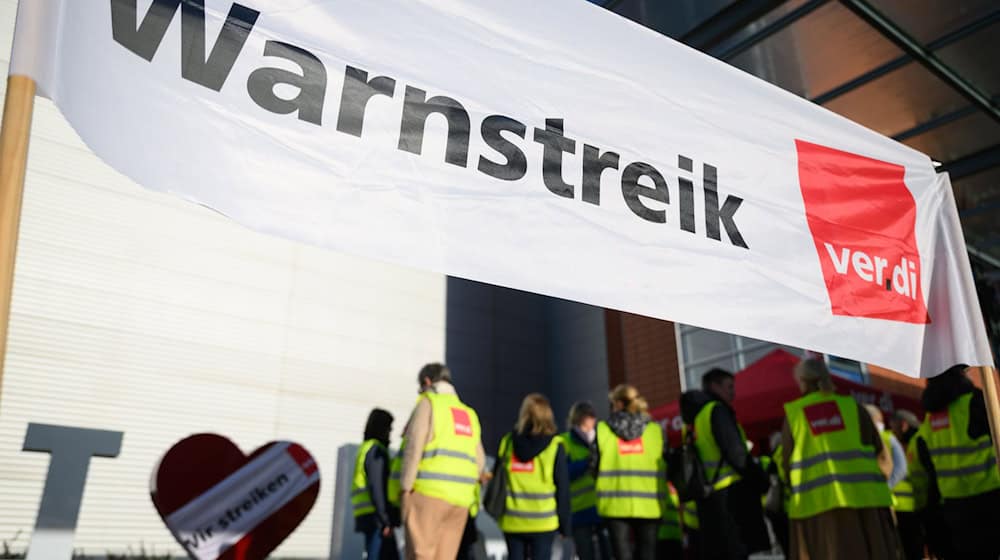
896	458
670	536
373	514
910	494
590	538
631	475
731	517
957	452
441	468
692	529
538	501
839	506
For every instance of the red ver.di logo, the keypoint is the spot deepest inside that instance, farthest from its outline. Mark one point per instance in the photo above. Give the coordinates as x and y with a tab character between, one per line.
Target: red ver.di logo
463	425
940	421
519	466
824	417
862	217
630	447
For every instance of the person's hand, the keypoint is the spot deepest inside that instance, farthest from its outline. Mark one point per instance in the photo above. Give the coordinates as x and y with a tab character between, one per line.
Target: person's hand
485	477
386	531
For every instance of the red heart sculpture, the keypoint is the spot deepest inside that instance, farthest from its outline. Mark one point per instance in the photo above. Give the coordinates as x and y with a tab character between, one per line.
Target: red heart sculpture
206	478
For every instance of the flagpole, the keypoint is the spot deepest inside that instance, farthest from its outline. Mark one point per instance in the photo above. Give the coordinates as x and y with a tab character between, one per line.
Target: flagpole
14	134
989	379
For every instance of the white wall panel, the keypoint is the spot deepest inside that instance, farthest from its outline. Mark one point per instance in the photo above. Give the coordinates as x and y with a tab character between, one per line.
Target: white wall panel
139	312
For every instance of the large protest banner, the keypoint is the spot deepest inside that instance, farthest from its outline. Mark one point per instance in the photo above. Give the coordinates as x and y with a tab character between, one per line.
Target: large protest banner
545	146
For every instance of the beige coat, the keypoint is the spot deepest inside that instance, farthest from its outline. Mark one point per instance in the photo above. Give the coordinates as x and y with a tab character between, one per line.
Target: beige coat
420	431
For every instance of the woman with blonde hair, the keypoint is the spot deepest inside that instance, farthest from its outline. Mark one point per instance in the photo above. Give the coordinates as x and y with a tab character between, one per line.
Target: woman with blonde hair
839	502
538	503
631	475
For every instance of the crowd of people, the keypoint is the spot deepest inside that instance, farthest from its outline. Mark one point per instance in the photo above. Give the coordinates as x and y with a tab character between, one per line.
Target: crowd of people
838	483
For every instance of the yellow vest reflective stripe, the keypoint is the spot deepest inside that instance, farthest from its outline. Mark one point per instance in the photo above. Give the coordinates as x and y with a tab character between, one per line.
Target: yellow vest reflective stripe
531	501
582	491
393	488
828	469
708	449
911	493
448	469
361	500
631	477
690	516
670	525
964	467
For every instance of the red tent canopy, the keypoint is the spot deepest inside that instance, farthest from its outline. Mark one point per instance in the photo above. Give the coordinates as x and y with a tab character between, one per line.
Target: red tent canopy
764	387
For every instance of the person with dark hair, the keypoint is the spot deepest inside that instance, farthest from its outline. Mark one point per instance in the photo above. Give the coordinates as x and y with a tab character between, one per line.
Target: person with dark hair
731	517
373	515
441	468
957	452
589	535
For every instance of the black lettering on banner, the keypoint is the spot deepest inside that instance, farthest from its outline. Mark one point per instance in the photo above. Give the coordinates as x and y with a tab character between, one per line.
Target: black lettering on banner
311	83
517	164
715	215
634	192
594	164
145	39
686	191
416	109
358	90
555	144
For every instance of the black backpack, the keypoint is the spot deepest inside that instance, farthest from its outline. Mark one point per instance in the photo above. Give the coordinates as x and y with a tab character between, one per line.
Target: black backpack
686	471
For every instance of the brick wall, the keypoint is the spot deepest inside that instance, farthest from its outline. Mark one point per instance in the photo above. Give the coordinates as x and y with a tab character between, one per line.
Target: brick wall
888	380
643	352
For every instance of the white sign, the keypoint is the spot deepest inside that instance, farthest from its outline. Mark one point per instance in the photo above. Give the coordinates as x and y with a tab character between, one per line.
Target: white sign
546	146
216	520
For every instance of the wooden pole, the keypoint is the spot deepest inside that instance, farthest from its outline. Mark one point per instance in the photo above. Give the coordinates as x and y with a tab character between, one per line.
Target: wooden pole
989	379
14	135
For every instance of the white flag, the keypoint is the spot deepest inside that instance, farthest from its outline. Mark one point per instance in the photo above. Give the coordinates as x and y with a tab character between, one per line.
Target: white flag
546	146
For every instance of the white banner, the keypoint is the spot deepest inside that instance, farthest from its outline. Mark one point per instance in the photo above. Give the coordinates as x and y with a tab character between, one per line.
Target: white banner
546	146
216	520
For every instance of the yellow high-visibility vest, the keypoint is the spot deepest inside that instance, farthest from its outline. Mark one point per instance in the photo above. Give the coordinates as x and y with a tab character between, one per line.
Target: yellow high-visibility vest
964	466
361	499
582	491
670	524
911	493
631	475
829	468
531	501
708	449
393	487
448	468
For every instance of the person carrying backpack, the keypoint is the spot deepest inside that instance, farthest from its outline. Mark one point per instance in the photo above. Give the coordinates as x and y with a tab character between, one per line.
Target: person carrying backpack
731	517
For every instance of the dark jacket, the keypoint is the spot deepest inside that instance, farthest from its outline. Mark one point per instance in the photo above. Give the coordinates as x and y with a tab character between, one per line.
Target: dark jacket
732	520
377	471
580	468
526	447
727	434
941	391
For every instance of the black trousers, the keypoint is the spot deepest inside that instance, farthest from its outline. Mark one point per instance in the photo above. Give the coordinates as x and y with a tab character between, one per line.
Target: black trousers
973	523
911	534
633	538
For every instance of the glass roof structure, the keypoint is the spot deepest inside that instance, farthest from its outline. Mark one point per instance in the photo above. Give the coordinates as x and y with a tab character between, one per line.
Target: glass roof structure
924	72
